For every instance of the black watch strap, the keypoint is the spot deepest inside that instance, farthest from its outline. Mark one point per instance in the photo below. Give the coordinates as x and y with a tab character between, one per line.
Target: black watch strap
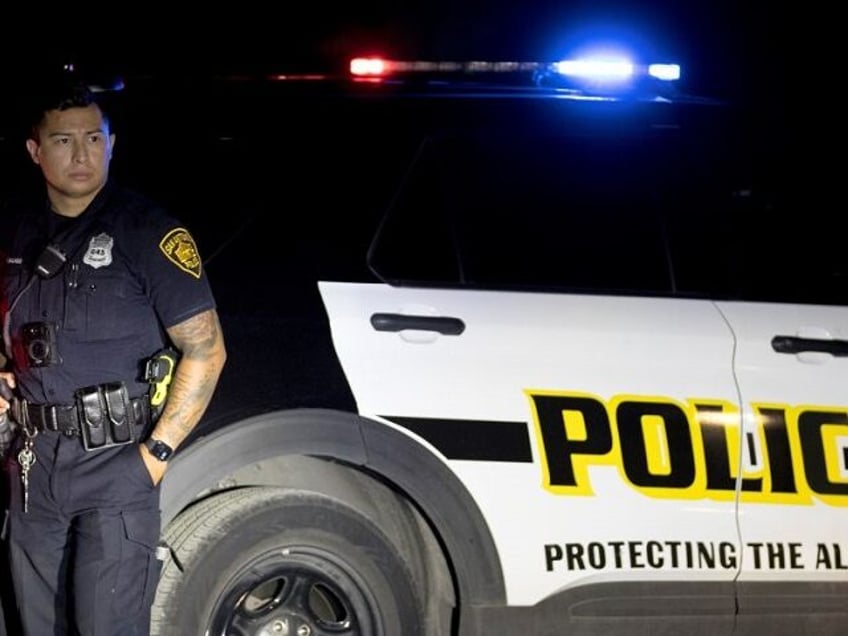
159	449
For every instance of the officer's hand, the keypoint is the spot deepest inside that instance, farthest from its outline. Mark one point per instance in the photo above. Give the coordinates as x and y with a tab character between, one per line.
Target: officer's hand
154	466
9	379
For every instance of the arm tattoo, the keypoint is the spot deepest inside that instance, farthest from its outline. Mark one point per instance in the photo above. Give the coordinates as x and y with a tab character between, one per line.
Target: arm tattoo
201	344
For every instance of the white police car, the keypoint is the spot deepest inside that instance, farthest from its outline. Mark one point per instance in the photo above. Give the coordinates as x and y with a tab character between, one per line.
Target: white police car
633	370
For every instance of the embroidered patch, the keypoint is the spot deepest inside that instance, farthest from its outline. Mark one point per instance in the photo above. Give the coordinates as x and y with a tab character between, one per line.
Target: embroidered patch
179	247
99	253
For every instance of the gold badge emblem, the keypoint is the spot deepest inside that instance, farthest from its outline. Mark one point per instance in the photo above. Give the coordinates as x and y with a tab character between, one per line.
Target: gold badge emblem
180	249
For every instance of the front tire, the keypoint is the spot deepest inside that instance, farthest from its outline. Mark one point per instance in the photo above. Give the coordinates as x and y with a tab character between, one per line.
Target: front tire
259	560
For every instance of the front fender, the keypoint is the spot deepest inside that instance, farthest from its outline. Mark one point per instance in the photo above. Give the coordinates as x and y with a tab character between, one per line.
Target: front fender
205	465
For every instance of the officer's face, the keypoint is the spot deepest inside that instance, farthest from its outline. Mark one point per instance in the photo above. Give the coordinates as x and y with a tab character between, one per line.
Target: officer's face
73	150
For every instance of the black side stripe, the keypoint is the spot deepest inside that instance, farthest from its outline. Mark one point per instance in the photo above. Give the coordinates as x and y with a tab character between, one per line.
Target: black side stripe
472	439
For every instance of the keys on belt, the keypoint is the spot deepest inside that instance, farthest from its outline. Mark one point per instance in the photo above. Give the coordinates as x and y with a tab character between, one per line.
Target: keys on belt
102	415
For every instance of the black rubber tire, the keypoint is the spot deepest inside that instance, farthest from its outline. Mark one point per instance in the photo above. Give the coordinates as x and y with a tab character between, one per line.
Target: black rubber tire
278	559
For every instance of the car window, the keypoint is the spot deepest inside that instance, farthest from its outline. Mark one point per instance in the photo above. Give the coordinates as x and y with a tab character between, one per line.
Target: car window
529	211
693	214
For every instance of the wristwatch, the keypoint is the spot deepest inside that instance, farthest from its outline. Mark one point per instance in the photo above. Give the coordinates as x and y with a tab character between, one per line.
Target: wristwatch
159	449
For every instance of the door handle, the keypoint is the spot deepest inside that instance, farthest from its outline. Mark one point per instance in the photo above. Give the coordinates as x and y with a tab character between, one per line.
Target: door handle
444	325
793	344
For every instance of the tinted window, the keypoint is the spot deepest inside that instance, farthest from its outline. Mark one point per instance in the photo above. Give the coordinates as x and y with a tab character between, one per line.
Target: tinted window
529	211
695	212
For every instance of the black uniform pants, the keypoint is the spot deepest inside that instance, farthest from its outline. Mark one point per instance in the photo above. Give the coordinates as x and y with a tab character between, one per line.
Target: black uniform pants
84	554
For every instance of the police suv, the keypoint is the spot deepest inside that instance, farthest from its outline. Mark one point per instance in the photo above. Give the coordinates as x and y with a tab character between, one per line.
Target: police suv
515	348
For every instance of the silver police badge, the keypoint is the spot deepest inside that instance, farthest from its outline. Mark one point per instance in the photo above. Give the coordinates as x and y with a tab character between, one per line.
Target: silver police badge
99	252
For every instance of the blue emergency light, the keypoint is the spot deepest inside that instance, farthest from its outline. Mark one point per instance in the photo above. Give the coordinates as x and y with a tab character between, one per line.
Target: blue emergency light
614	70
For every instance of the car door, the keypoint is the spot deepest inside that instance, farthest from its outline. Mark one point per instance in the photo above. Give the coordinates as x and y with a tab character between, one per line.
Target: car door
614	399
792	372
596	431
791	365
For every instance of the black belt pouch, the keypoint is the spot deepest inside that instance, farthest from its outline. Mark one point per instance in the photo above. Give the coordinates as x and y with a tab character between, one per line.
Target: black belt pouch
106	415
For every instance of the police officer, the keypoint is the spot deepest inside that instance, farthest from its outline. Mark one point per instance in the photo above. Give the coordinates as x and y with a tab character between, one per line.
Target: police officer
97	280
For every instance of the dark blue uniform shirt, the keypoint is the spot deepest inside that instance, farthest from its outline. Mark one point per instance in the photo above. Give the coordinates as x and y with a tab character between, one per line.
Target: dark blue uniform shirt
131	272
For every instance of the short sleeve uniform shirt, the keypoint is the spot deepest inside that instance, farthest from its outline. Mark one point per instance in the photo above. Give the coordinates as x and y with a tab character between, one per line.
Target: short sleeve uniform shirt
131	271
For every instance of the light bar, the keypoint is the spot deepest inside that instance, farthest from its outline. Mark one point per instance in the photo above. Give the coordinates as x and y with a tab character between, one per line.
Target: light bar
585	68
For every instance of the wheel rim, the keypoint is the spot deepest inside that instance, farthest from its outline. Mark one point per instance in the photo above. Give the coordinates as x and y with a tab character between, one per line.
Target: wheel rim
294	591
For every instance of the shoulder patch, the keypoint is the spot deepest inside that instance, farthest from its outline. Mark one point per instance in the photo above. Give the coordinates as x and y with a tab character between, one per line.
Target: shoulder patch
178	246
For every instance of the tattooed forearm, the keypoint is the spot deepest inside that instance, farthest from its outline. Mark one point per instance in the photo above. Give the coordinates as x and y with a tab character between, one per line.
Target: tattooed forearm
202	356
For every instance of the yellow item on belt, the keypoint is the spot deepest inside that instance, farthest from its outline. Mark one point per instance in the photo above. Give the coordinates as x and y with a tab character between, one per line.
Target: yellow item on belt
159	372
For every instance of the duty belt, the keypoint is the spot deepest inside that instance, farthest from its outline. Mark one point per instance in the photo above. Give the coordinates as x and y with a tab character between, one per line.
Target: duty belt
65	418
